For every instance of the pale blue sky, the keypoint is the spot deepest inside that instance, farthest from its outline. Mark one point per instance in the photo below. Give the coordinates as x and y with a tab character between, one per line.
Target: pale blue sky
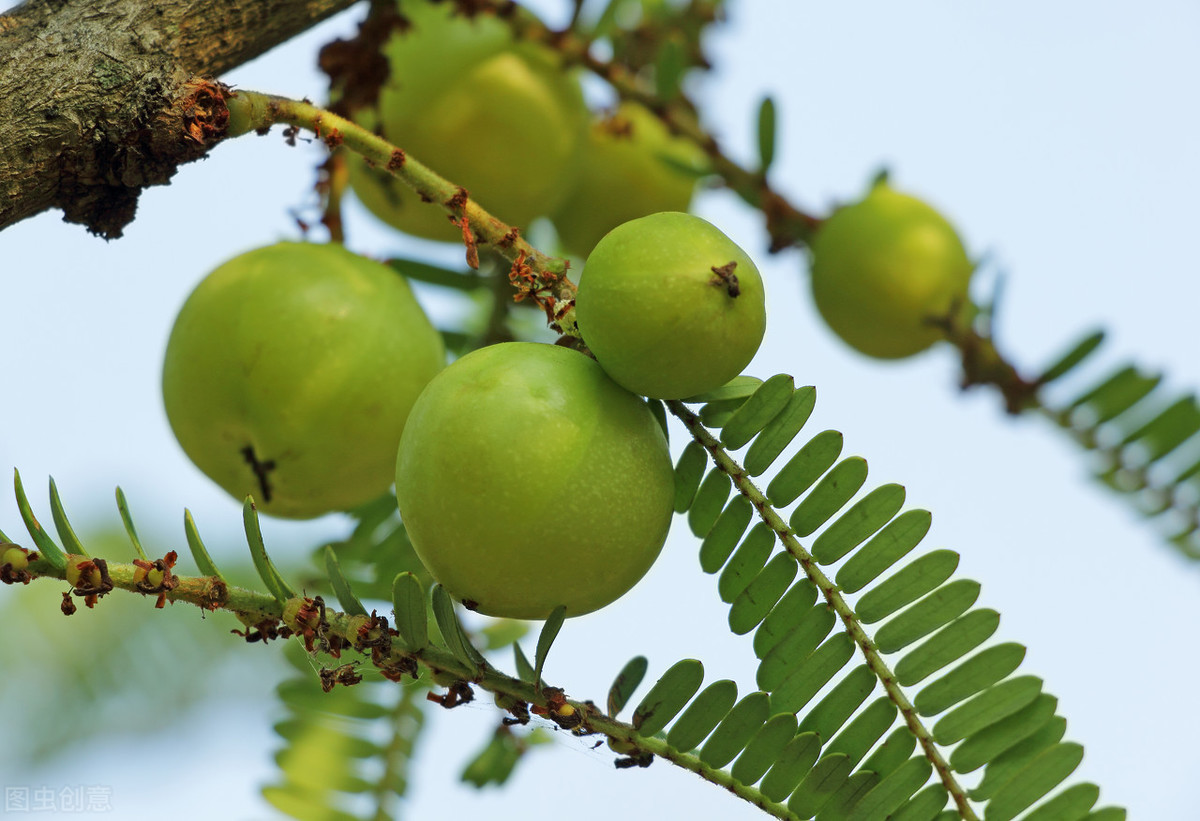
1061	138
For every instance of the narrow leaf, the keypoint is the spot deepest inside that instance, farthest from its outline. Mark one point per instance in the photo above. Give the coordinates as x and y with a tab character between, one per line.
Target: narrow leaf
1065	363
992	706
784	617
716	414
1012	761
1116	394
668	69
981	670
424	272
886	548
941	606
790	653
752	604
792	765
204	562
852	528
740	387
924	806
127	520
66	533
626	682
829	496
905	587
853	789
660	413
722	537
709	501
893	752
736	729
764	405
554	623
832	711
949	644
891	793
746	563
524	666
702	715
780	432
341	588
411	611
1165	431
766	134
981	747
451	629
867	728
813	674
668	696
276	586
765	748
798	475
1040	776
822	781
1071	804
45	545
689	470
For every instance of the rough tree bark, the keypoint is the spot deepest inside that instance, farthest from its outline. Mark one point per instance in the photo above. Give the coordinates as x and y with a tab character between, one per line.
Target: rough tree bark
102	98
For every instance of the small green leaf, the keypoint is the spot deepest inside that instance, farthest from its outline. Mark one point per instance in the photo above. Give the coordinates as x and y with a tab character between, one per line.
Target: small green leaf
1117	394
746	563
780	432
1002	769
1065	363
816	671
341	587
832	711
451	629
525	670
790	653
891	792
204	562
941	606
660	413
1040	776
411	611
924	806
766	134
992	706
668	696
792	765
834	490
702	715
853	527
276	586
852	791
822	781
765	748
709	501
127	520
626	682
669	68
1166	431
867	728
893	752
715	414
1072	804
66	533
424	272
982	746
905	587
554	623
721	538
976	673
763	406
884	549
784	617
812	460
949	644
736	729
740	387
45	545
689	470
752	604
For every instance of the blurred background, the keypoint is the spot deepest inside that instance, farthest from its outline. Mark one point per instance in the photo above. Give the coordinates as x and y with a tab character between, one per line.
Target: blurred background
1060	139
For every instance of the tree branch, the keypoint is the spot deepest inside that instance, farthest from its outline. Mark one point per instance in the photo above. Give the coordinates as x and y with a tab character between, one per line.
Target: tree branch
102	98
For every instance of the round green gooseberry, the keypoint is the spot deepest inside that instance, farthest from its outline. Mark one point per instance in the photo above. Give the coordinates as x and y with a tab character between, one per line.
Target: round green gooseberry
498	116
630	166
670	306
885	270
290	372
526	479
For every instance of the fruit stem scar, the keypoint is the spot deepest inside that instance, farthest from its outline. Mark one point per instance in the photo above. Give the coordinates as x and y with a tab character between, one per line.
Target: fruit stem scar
261	469
724	275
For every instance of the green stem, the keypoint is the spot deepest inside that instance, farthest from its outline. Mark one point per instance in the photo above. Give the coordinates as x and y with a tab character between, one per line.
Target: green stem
741	480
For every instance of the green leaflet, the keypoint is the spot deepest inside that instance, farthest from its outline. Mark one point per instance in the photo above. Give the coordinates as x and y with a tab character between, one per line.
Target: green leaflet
819	785
1166	431
790	653
716	414
829	496
412	620
893	752
982	746
709	501
853	789
949	644
1071	804
828	716
780	432
939	607
750	558
752	604
763	406
668	696
1046	771
785	617
1067	362
736	729
981	670
1107	814
127	520
740	387
924	806
1005	766
765	748
812	460
722	537
341	588
886	548
553	624
766	134
1115	395
853	527
524	666
824	663
791	766
452	630
866	729
199	553
689	470
66	534
991	707
45	545
625	683
702	715
909	584
258	551
891	793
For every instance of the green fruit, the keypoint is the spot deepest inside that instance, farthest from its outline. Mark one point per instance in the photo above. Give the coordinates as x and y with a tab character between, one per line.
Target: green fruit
528	479
884	268
662	310
498	116
290	372
631	166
